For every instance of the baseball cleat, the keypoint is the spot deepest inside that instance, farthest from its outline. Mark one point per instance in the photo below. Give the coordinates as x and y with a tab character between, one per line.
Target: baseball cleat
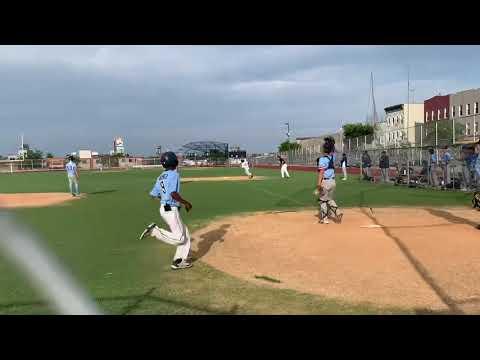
181	264
147	231
324	221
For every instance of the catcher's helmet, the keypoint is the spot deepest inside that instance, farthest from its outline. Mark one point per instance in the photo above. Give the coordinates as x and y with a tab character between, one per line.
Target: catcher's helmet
169	159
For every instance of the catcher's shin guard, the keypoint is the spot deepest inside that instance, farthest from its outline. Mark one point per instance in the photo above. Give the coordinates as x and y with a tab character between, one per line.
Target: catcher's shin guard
476	200
323	214
333	210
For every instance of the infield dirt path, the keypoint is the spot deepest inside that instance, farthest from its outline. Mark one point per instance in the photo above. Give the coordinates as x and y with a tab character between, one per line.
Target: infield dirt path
222	178
418	258
23	200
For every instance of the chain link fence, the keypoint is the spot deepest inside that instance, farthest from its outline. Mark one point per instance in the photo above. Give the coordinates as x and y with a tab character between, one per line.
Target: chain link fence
409	152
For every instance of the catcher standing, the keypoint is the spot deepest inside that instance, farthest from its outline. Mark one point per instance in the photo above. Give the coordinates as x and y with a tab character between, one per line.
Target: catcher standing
326	183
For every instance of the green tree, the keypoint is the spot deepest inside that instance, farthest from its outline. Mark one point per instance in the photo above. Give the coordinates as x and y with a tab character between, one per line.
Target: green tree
50	155
287	146
34	154
444	133
357	129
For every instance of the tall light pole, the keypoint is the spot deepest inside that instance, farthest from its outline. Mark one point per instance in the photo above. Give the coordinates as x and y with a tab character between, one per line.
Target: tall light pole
288	130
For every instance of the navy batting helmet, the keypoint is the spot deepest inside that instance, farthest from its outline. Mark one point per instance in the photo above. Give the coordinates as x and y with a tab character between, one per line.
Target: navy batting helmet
169	159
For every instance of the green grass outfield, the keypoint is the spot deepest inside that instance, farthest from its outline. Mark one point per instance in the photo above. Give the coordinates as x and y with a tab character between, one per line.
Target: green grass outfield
96	238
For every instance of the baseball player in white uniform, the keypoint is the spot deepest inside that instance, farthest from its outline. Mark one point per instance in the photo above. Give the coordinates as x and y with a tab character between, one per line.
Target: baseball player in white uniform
167	188
283	168
246	168
72	174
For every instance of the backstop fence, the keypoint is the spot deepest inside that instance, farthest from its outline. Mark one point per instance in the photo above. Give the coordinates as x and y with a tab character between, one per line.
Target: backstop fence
409	153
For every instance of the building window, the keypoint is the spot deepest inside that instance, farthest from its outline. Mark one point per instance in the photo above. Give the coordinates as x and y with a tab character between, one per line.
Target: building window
445	113
467	128
475	128
475	108
453	111
438	114
426	115
468	109
460	110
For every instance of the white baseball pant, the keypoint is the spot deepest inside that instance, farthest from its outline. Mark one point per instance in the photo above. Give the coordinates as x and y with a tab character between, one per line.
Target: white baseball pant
344	169
178	235
284	171
247	171
73	183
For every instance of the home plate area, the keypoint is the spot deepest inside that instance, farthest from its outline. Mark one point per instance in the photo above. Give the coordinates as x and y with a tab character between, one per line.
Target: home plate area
427	259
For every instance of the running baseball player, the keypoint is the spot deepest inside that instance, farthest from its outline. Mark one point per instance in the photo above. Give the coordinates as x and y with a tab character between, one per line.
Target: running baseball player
283	168
167	188
326	183
246	168
72	174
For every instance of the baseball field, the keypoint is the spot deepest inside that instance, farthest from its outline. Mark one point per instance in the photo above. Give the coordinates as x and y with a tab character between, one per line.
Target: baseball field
257	245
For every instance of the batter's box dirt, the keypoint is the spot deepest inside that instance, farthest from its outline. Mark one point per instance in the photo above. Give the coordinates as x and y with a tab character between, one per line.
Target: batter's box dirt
29	200
402	257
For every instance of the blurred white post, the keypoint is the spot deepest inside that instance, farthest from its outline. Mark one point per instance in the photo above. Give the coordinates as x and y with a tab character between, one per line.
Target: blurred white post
453	130
46	275
474	126
436	139
421	143
349	145
365	142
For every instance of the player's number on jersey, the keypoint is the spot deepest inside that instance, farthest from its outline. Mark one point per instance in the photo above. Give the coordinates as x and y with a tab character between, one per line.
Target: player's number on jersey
162	185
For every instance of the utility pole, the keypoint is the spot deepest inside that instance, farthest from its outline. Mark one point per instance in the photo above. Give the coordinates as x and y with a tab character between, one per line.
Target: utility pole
408	123
288	130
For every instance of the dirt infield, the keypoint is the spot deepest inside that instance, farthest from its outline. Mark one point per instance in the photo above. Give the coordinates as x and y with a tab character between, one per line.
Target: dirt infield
222	178
24	200
419	258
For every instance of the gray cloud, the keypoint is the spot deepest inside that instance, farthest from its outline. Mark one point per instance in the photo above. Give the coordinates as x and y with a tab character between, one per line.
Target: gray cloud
69	97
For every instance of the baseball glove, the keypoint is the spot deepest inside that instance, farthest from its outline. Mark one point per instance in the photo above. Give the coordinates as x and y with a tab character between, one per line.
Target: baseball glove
476	200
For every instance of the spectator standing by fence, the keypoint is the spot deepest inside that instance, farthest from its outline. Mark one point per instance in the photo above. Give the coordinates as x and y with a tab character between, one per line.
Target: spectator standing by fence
477	164
432	168
384	164
343	163
366	164
469	158
446	159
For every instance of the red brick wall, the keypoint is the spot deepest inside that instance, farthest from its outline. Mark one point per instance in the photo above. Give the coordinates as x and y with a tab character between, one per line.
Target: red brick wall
436	103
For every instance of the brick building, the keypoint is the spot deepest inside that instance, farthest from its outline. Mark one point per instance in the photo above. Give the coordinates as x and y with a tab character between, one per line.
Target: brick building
437	108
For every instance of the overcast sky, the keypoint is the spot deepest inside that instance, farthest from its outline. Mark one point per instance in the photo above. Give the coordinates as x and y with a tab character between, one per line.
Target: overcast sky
66	98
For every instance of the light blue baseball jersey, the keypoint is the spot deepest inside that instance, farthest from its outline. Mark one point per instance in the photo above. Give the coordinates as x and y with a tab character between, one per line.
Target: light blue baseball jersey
323	164
166	184
447	157
433	159
71	168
